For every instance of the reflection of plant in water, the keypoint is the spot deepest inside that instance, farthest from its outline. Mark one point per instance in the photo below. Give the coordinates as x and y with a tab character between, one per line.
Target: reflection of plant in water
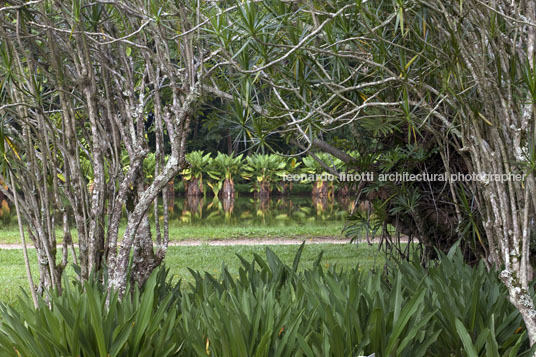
218	208
246	211
324	206
346	203
262	205
5	211
214	210
284	204
228	206
195	205
186	217
4	206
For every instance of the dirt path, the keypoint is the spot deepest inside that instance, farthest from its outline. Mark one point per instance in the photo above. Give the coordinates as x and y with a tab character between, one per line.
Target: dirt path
239	241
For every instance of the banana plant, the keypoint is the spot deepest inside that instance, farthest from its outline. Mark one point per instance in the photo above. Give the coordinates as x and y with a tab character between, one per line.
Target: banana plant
291	167
264	171
323	186
198	165
223	168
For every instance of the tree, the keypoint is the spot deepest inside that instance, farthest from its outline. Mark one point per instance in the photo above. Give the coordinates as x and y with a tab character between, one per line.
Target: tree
264	171
453	80
83	86
437	85
198	164
225	167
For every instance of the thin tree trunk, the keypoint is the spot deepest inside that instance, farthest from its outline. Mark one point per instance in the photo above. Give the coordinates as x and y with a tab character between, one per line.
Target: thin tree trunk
23	241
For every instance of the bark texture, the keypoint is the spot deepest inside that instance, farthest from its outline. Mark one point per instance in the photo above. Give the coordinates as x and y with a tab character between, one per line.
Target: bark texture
85	86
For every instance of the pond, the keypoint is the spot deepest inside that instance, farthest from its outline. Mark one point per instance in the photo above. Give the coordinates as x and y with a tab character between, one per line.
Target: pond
206	218
243	211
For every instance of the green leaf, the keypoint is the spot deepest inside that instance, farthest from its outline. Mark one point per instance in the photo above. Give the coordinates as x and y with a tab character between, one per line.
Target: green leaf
466	339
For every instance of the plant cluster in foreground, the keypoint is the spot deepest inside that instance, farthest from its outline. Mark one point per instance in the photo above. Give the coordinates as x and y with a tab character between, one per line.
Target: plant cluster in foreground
271	309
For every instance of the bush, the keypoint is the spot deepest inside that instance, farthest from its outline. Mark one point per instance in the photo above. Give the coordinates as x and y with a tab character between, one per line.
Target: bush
271	309
79	323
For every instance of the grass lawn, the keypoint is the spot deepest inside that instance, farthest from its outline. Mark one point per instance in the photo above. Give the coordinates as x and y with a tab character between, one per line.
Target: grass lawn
208	232
204	258
177	232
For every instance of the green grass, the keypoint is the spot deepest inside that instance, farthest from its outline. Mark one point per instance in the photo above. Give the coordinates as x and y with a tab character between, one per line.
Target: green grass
179	232
208	232
203	258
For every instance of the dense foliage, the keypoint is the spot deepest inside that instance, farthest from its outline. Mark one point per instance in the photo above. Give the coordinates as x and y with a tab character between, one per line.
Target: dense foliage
94	95
272	309
263	172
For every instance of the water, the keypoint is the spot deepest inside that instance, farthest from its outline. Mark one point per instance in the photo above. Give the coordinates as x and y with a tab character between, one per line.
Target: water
243	211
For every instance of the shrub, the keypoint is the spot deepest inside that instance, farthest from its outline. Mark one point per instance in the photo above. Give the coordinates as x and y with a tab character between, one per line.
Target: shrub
272	309
80	323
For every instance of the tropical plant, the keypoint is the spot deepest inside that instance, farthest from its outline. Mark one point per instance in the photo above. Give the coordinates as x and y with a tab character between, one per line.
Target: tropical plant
264	170
322	179
198	165
291	166
216	186
274	309
455	78
223	169
85	321
103	79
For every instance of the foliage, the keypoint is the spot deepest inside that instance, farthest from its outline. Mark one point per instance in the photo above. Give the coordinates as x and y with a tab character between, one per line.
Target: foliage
375	77
198	164
225	167
80	322
273	309
311	166
473	310
105	92
216	187
263	169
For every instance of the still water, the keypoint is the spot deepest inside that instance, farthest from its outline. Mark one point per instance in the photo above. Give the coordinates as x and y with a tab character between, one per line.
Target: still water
241	211
247	210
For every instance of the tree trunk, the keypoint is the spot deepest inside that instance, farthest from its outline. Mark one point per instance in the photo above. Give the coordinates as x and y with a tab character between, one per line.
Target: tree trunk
195	187
522	300
228	190
228	205
263	190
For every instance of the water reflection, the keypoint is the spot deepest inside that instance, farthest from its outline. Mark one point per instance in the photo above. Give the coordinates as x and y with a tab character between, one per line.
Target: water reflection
266	211
242	211
194	204
346	203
